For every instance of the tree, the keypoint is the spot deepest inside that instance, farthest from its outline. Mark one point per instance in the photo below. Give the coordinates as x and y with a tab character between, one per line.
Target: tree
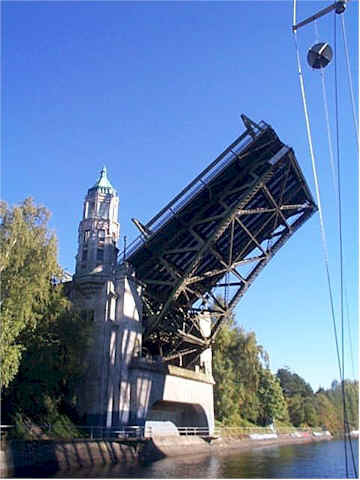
52	366
272	402
334	397
238	362
44	338
226	391
293	384
296	410
328	417
310	414
27	264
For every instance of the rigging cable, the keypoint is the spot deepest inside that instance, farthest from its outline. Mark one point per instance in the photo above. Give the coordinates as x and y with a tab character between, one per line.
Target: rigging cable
337	192
327	118
349	332
341	249
342	378
350	80
322	226
336	184
318	199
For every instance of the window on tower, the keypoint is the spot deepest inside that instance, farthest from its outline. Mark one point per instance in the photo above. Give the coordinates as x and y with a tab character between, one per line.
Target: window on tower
91	209
86	235
101	238
84	255
104	209
100	255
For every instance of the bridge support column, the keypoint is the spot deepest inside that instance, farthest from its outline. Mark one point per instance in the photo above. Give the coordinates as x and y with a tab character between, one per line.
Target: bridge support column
125	344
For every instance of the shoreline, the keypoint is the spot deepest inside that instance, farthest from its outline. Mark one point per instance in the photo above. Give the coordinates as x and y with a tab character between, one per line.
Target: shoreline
175	446
54	456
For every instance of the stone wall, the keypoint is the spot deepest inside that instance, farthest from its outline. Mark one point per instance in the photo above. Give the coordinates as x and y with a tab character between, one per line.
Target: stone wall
19	456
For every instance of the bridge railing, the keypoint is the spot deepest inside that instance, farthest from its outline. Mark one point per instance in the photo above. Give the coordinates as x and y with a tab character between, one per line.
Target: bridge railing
95	432
92	432
193	431
246	431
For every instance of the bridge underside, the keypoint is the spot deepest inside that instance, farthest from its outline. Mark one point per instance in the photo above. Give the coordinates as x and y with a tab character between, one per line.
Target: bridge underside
201	253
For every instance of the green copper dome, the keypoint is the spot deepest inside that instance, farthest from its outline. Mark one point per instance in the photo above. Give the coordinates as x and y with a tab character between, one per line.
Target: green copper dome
103	183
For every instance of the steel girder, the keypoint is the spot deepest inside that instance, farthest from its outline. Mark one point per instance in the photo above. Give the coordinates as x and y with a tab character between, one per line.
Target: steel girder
213	240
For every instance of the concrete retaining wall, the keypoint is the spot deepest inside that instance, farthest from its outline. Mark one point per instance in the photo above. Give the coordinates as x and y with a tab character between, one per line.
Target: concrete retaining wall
19	456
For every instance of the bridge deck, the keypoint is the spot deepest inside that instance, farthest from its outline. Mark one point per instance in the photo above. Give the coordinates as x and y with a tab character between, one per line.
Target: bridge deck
224	227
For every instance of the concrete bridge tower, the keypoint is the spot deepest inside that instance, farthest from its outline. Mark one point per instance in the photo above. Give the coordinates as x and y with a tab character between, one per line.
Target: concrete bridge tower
98	231
94	291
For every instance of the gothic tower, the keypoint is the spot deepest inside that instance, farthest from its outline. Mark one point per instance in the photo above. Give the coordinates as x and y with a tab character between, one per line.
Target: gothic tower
94	291
98	231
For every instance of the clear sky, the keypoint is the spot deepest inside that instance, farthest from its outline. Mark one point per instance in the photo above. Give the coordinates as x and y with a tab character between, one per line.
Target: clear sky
154	91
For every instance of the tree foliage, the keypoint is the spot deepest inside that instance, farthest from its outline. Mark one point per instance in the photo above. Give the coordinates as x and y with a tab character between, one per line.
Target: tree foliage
43	337
271	399
292	384
323	409
246	392
245	389
27	263
52	365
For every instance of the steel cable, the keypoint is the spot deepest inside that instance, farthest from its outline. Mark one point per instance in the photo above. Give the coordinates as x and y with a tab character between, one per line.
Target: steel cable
322	225
340	250
351	88
337	191
318	199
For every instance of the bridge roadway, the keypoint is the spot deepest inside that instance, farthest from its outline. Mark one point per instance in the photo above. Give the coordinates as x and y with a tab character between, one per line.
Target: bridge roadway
214	238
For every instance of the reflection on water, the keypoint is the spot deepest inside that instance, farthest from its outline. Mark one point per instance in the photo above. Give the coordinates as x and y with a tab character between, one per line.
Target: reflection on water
315	460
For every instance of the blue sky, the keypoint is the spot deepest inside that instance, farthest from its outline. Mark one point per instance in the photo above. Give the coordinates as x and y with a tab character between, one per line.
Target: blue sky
154	91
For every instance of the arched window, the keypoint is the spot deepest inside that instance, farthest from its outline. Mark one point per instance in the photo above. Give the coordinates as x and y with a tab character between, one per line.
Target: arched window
104	210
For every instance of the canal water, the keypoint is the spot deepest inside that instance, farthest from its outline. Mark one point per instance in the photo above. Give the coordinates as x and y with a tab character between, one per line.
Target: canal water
313	460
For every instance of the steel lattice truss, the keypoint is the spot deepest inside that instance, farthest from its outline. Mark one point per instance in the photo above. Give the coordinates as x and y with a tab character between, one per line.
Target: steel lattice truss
214	238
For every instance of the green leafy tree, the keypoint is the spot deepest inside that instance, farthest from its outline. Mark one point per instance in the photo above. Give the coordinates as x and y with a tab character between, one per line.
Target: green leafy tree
271	399
310	414
226	391
328	417
238	365
293	384
52	366
296	410
247	355
43	337
333	399
27	264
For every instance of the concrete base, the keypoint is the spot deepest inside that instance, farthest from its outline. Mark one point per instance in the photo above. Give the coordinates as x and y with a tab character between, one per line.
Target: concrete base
20	456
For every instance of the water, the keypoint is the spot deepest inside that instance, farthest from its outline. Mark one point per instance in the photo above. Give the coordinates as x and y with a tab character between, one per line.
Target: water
314	460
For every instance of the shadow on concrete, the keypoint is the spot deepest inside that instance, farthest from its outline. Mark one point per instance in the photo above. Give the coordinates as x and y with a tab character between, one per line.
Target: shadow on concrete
39	459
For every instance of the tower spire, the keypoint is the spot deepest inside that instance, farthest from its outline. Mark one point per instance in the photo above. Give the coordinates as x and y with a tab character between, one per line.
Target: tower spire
103	182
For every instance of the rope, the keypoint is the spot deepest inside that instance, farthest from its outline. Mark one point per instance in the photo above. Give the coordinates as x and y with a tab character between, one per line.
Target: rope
337	191
327	119
340	254
349	332
350	80
318	198
337	188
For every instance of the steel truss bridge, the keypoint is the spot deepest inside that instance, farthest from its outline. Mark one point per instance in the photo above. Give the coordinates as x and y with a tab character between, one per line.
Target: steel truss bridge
202	251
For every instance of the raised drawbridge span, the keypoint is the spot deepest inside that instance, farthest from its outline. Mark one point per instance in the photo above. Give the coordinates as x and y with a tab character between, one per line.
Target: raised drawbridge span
198	256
